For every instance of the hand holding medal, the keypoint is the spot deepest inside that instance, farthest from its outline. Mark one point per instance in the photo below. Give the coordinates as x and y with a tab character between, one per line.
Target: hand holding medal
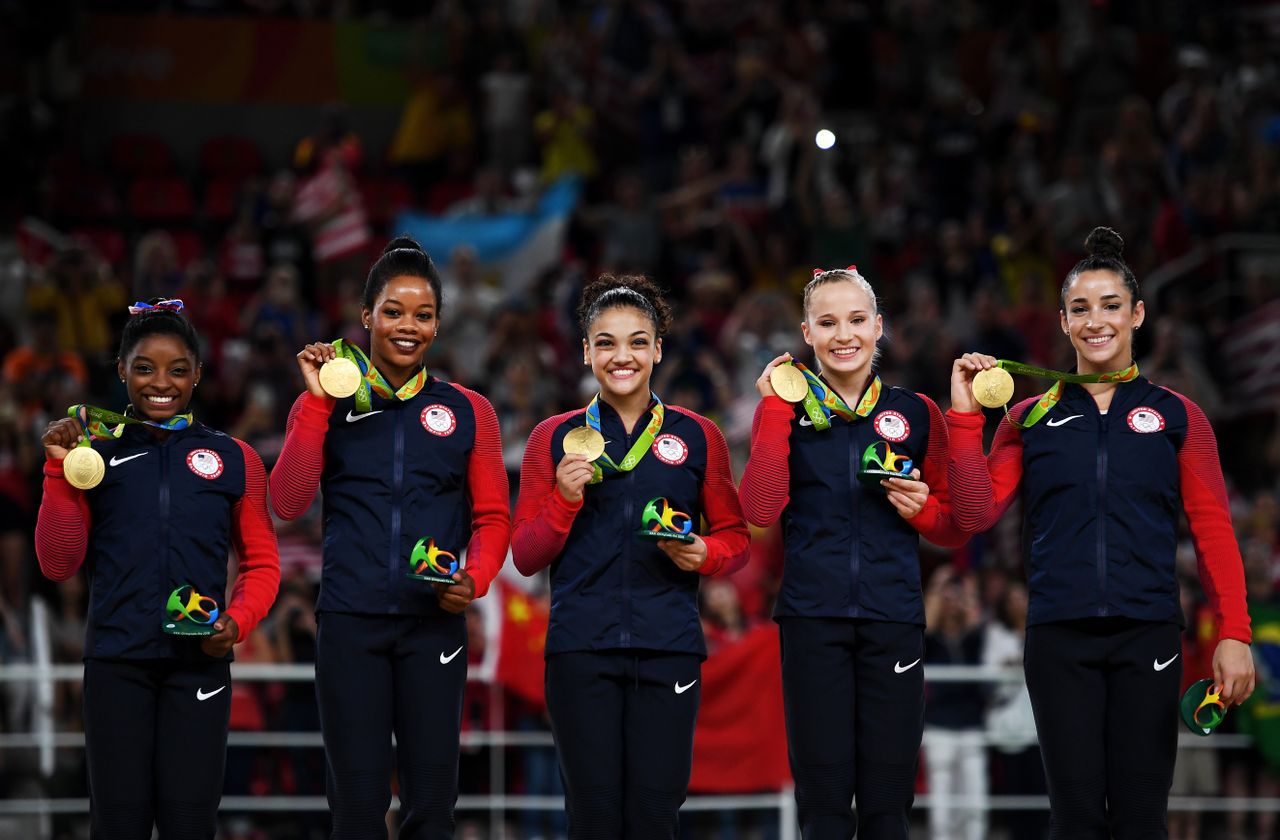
987	380
326	373
783	379
66	440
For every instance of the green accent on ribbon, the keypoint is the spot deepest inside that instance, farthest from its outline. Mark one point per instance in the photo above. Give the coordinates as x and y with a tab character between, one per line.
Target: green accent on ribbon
101	424
373	381
822	400
1051	397
656	412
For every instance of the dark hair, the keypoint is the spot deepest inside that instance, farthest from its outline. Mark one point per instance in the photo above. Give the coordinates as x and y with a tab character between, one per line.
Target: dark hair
402	256
158	322
634	290
1104	251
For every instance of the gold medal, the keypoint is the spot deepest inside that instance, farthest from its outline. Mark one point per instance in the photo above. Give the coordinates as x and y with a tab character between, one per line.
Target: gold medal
340	377
83	467
584	440
993	387
789	383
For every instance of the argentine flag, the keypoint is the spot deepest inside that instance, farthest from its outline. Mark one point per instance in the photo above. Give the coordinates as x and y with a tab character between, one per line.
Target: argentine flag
517	246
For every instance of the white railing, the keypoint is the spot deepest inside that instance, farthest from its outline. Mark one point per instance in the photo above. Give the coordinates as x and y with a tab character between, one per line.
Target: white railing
42	674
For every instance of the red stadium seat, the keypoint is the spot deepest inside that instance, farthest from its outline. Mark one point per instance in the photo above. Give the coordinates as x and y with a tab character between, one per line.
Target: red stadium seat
230	158
85	197
221	197
188	245
137	155
105	241
384	198
161	200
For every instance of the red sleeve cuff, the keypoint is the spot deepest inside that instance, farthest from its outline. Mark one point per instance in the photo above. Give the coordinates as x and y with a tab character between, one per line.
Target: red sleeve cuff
965	419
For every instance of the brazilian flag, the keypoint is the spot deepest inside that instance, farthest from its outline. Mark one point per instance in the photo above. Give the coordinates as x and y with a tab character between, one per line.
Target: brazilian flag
1260	715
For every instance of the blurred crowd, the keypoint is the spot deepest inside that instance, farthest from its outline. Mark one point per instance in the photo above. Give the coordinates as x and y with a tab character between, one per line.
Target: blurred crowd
970	148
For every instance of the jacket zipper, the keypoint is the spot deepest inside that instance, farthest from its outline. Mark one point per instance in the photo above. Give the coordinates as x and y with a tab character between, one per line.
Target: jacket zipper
855	509
164	522
397	489
628	510
1102	512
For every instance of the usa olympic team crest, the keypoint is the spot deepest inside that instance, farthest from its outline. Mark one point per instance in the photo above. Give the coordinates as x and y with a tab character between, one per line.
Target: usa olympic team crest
891	425
439	420
670	450
205	463
1145	419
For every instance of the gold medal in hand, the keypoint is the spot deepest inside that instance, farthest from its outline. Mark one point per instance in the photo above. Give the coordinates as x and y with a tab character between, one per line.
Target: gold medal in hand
584	440
340	377
83	468
789	383
993	387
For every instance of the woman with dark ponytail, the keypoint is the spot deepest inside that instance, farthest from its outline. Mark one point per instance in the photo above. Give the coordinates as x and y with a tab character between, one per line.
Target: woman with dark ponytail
411	468
1104	465
624	646
153	527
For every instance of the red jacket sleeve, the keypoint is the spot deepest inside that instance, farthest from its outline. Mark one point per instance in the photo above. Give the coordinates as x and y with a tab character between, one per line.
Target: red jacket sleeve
490	497
296	475
1204	498
727	537
767	476
543	517
254	539
62	526
981	490
935	521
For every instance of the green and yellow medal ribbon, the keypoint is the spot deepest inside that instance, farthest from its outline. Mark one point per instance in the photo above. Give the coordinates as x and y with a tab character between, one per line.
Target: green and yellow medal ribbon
101	424
638	449
1051	397
822	401
373	381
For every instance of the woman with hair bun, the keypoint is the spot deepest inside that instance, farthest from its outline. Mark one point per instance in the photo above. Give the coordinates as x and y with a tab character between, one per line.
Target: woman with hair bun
411	469
856	472
1104	465
624	646
153	523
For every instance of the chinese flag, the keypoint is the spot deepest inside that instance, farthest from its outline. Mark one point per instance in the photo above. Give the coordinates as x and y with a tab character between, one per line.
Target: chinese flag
740	745
524	636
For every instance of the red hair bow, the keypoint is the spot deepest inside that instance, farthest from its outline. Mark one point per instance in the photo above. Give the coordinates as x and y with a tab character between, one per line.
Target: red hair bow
818	271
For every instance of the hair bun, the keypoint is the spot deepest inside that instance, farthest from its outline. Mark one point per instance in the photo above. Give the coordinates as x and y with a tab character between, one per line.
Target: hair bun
1104	242
403	242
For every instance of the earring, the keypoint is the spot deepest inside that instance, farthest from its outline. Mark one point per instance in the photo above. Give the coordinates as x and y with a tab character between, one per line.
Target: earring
366	326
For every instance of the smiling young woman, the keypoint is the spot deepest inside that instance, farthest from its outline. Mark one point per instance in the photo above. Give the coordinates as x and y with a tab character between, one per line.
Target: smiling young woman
1102	479
625	646
850	610
412	474
173	500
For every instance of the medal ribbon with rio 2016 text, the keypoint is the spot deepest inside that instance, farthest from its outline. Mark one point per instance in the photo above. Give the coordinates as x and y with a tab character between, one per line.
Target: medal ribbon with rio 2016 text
642	444
373	381
822	400
1051	397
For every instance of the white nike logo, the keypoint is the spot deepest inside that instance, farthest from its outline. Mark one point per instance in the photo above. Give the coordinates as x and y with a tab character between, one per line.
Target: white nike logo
681	689
805	421
353	417
200	694
1056	423
1160	666
899	668
115	462
445	660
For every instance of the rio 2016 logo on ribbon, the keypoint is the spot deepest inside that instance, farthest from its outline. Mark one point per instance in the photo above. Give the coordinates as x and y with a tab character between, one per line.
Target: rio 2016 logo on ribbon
189	613
661	521
430	562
